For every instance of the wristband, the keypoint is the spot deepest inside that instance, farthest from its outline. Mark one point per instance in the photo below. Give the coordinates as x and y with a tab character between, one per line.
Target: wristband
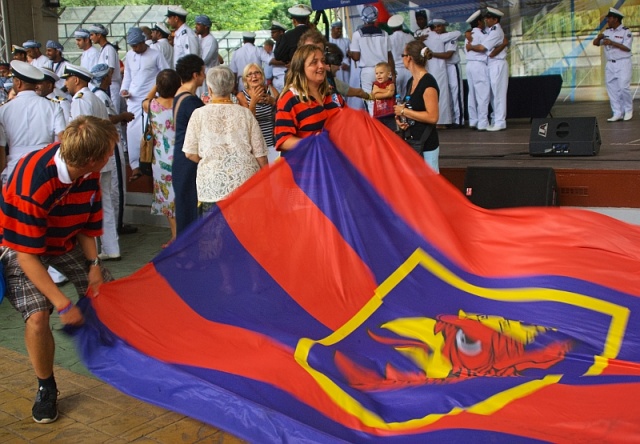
93	262
68	307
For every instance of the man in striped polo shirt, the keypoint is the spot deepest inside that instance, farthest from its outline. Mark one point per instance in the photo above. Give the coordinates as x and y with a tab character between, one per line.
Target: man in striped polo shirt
51	214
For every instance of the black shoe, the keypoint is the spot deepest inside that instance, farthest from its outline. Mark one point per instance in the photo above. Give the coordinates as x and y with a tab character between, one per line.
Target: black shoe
45	409
127	229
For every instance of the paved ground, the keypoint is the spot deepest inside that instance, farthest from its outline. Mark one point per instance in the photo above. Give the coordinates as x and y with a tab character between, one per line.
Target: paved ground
90	411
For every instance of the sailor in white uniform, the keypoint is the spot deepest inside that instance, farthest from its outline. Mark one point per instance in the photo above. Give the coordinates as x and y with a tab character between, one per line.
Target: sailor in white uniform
28	122
498	68
160	42
398	41
185	40
617	41
477	74
47	89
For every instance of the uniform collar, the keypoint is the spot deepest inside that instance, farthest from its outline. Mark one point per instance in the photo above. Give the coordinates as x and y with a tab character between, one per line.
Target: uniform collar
28	92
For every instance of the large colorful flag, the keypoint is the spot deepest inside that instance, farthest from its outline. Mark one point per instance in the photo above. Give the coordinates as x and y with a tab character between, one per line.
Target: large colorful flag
350	294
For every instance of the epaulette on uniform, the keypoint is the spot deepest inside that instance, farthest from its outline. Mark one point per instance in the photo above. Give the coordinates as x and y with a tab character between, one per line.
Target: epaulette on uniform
79	96
57	99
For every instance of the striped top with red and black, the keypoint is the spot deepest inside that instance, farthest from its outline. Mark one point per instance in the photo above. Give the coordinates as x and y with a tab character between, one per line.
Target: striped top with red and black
302	119
39	214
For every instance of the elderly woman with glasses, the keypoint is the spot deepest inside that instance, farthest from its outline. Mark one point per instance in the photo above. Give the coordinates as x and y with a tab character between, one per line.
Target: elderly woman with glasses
260	98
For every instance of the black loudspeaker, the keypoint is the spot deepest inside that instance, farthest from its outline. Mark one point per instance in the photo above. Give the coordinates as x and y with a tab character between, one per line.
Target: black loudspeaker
503	187
569	136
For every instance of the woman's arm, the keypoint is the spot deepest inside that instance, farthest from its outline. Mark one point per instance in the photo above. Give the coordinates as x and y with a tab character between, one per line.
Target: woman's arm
147	100
432	113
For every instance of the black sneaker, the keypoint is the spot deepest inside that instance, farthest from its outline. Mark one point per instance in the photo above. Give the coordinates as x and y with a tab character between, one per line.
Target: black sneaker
45	409
127	229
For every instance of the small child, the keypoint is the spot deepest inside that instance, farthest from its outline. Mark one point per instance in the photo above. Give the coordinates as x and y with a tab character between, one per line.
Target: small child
383	91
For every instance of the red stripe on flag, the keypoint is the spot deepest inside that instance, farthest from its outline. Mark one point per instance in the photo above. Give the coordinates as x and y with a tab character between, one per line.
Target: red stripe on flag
330	281
511	242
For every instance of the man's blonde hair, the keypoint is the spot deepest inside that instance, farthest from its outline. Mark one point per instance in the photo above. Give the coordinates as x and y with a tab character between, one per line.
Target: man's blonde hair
87	139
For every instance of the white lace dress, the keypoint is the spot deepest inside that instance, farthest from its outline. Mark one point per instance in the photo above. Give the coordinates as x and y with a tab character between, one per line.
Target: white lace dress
227	138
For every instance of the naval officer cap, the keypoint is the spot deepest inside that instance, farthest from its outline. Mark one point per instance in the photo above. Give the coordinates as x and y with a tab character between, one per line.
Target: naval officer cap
493	12
299	11
438	21
248	35
395	21
26	72
475	16
277	26
176	10
162	28
49	75
15	49
98	29
81	34
613	12
31	44
76	71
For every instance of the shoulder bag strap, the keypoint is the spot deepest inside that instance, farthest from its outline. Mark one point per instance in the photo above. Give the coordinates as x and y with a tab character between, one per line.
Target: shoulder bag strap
177	107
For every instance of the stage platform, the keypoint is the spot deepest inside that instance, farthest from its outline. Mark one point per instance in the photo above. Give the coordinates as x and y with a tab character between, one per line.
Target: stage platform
609	179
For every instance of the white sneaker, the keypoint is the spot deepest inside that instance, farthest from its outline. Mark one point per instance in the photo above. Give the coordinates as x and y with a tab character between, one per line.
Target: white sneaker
614	119
496	128
109	257
628	116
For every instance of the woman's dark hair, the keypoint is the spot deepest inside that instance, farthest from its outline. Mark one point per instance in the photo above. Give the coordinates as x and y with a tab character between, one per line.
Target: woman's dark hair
187	66
167	83
414	50
333	55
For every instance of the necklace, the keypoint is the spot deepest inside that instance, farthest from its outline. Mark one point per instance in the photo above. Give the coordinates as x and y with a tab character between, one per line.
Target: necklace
220	101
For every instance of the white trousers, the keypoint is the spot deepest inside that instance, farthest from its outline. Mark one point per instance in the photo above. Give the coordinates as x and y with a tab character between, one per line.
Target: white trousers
618	78
478	99
109	238
134	133
456	89
367	77
438	69
499	81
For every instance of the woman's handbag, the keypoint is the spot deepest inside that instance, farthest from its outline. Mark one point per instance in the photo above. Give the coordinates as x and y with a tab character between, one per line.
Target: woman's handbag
146	147
417	144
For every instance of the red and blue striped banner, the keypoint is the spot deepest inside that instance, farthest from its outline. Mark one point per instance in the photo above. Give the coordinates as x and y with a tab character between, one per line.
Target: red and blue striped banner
348	293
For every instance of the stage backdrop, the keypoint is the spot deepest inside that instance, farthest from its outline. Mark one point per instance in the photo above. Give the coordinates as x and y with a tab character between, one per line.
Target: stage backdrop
350	294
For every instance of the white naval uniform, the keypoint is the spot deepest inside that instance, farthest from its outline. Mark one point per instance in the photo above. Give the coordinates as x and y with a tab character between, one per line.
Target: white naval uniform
58	98
28	122
109	56
455	81
89	58
139	77
438	69
247	53
41	62
618	71
166	49
343	43
373	45
58	68
398	41
185	42
86	103
498	71
478	81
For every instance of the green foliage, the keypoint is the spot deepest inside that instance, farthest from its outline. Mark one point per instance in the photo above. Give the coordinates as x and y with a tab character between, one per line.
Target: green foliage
230	15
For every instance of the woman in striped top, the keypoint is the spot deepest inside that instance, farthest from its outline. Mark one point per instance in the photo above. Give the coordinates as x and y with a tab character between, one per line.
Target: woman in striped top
260	98
307	100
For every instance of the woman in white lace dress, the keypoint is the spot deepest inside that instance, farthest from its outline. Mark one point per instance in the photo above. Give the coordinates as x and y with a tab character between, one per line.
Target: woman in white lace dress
225	140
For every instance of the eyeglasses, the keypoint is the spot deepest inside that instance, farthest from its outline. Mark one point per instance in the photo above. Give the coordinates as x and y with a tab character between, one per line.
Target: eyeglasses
405	55
254	73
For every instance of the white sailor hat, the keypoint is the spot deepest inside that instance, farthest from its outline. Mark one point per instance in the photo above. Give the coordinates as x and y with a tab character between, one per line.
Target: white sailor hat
49	75
615	13
176	10
277	26
248	35
77	71
26	72
395	21
81	34
494	12
161	27
98	29
299	11
474	16
30	44
438	21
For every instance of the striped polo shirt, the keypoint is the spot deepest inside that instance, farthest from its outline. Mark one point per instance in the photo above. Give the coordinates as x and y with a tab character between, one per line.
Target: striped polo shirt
302	119
42	214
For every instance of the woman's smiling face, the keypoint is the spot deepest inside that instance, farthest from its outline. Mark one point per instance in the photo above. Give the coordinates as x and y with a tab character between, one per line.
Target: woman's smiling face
315	68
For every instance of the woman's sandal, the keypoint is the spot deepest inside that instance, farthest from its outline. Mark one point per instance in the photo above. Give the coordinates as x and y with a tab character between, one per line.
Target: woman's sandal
135	175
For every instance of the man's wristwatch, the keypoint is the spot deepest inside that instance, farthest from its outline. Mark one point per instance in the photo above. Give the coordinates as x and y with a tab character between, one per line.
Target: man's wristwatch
93	262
